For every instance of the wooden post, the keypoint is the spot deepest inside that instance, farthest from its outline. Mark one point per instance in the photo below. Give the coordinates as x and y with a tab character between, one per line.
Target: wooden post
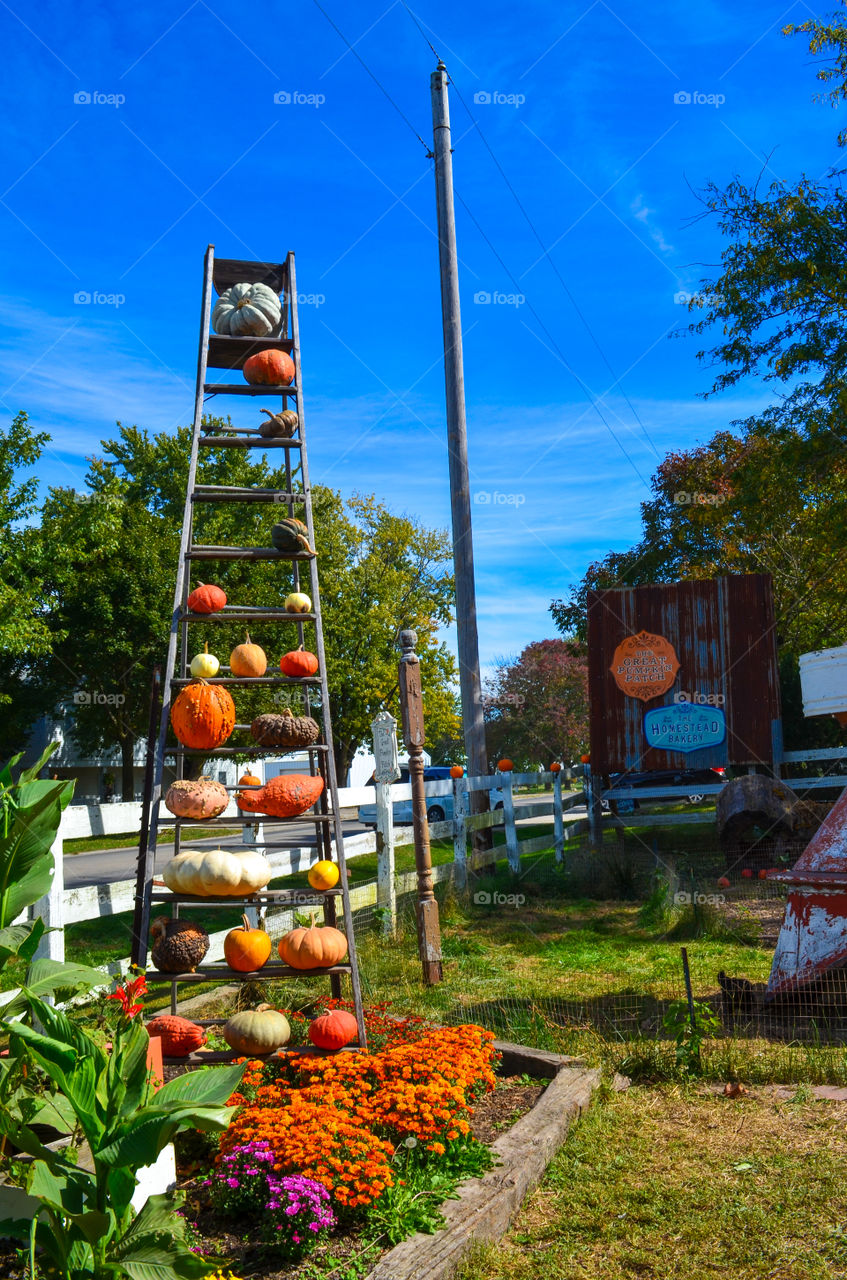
411	703
558	819
386	887
460	833
512	852
473	721
254	838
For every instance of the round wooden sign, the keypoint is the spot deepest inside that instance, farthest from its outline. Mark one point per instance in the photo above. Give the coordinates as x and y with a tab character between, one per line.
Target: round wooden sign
644	666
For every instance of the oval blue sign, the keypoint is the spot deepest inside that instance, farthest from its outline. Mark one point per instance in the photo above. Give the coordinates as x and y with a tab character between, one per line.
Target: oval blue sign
683	727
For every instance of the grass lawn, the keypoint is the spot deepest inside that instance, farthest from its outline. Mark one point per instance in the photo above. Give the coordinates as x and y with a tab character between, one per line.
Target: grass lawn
672	1184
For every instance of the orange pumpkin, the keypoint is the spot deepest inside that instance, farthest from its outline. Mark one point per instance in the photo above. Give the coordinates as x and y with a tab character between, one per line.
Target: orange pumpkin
179	1036
457	771
285	796
555	767
206	599
246	949
585	759
333	1030
269	368
299	662
505	766
203	716
248	659
318	947
246	780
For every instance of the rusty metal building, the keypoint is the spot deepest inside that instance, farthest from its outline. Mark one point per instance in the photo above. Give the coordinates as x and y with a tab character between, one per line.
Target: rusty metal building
683	675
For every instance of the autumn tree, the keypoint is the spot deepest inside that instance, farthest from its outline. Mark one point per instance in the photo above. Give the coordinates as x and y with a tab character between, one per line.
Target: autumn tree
536	705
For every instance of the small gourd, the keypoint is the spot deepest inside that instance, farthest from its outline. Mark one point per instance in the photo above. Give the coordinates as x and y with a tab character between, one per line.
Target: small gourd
291	535
178	945
204	665
318	947
284	729
285	796
248	659
206	598
281	425
246	780
505	765
298	602
246	949
197	798
257	1032
179	1036
299	662
324	875
269	368
333	1030
457	771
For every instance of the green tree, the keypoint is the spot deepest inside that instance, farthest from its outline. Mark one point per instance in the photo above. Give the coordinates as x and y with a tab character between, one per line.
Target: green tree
24	633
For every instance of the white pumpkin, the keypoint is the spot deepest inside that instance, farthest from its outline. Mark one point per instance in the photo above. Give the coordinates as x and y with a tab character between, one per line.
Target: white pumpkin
247	311
217	873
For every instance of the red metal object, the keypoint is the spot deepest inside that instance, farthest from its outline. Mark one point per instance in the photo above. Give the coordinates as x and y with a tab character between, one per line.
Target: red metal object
813	937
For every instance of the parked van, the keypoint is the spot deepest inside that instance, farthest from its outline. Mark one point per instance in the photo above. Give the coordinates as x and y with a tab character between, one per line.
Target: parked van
438	808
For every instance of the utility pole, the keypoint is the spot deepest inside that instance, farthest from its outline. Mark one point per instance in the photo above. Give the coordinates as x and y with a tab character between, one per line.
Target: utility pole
457	446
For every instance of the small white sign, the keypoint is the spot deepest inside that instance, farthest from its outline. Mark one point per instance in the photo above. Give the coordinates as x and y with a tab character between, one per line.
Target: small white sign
387	765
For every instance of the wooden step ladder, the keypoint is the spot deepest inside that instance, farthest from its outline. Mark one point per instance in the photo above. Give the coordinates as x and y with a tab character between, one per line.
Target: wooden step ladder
222	352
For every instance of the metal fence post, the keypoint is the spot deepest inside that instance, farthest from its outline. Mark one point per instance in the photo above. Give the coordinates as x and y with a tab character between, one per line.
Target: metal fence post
512	852
386	887
460	833
591	785
558	821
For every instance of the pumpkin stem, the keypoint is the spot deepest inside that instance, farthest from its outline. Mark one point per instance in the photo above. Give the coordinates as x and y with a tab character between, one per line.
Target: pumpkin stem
246	925
206	647
247	635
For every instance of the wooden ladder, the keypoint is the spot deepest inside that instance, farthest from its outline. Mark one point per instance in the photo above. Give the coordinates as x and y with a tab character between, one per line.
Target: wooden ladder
223	352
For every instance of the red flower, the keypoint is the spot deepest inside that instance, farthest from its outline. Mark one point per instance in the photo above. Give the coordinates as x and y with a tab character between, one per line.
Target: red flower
127	993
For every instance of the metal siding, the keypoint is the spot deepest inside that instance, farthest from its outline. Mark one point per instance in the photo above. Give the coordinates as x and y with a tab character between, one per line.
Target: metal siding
724	635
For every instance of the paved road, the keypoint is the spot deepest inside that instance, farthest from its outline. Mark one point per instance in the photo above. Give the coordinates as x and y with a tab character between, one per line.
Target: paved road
105	866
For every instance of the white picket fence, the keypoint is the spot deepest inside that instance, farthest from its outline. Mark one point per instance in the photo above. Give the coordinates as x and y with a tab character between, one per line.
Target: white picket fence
63	906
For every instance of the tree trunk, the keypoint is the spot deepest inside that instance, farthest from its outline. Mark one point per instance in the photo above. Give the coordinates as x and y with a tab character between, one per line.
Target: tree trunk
343	759
127	768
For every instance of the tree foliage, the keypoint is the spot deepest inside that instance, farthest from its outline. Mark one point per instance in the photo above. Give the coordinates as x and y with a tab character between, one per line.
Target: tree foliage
536	705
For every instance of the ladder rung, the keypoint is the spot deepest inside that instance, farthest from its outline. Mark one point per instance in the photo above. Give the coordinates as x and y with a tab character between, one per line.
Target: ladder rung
247	680
254	442
229	271
268	819
244	553
247	615
274	896
239	751
226	493
247	389
224	971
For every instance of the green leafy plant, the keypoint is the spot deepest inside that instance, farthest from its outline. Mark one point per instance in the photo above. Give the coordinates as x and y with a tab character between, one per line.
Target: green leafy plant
86	1228
689	1030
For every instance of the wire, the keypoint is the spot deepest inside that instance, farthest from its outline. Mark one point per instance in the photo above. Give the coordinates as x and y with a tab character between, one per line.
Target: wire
556	271
378	83
585	388
420	28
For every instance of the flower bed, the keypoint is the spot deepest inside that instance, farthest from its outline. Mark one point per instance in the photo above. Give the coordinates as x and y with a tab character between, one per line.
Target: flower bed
349	1152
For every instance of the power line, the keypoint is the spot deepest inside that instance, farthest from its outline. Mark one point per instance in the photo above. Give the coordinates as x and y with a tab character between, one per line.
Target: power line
420	28
559	277
377	82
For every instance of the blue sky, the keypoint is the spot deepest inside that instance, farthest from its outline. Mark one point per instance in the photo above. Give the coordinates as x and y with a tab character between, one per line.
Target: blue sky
182	142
